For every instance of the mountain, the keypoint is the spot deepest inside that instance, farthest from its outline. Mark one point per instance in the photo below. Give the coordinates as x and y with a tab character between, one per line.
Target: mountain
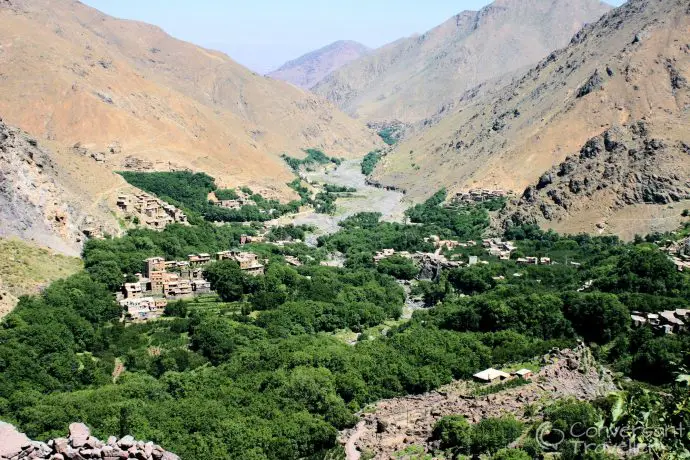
132	96
597	131
413	78
308	70
47	204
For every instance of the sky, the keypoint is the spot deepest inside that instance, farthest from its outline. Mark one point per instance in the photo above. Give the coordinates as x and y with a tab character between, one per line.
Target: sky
263	34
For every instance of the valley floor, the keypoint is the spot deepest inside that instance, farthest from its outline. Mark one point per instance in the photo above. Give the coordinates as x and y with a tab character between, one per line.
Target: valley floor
367	198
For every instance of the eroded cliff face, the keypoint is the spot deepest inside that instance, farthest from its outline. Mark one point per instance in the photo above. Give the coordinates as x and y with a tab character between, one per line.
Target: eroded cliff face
627	165
36	204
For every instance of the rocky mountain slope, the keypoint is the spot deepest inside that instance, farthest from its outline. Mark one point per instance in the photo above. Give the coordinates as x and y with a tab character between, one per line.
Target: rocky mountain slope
413	78
400	423
131	96
41	202
631	66
308	70
625	166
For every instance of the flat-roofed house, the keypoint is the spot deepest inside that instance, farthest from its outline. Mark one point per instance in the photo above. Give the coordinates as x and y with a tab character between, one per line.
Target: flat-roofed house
523	373
638	321
154	264
669	318
491	375
132	290
177	288
199	259
201	287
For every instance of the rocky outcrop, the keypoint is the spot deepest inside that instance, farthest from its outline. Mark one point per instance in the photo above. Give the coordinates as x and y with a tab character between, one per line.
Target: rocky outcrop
401	422
35	204
624	166
78	445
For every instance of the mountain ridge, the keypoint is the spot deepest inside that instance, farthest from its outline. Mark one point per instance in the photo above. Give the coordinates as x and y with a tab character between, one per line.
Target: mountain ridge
310	68
629	66
410	79
96	80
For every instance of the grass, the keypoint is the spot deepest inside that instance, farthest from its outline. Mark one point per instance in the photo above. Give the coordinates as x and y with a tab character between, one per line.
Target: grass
25	268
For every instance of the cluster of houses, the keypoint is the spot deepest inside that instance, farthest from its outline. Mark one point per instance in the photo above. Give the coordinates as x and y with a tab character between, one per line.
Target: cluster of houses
165	280
440	244
150	211
669	321
419	257
496	247
243	199
248	262
478	195
679	253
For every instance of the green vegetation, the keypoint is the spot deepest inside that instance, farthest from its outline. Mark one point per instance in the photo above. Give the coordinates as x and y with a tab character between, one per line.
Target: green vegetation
189	191
486	437
259	373
314	157
226	194
370	161
330	188
24	267
497	388
468	222
390	135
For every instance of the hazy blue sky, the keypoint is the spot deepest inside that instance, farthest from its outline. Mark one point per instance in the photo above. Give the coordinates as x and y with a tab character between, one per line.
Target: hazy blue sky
263	34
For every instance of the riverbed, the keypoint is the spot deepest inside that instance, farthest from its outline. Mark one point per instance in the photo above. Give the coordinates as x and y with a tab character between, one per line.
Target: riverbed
367	198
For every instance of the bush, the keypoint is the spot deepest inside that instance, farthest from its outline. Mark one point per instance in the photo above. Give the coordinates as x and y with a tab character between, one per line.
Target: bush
454	432
370	161
493	434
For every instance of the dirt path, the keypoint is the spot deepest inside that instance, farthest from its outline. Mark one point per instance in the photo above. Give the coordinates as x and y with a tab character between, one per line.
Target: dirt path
351	451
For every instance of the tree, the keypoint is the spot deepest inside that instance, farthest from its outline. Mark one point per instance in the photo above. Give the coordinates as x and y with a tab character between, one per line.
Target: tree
596	316
511	454
454	432
492	434
398	267
108	273
227	279
472	280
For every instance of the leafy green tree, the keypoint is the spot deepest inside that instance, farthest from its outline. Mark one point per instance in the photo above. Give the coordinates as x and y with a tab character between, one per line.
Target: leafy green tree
597	317
227	279
108	273
398	267
511	454
454	432
472	280
493	434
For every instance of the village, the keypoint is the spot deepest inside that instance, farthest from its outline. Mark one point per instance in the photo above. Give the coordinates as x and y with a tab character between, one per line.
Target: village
149	211
478	196
432	263
168	280
679	253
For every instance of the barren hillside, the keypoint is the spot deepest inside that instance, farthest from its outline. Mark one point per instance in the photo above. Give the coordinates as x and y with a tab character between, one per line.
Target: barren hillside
137	98
413	78
308	70
46	204
631	66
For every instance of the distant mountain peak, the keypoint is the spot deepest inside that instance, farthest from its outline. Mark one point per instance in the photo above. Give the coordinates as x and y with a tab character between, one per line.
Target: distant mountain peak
412	79
309	69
